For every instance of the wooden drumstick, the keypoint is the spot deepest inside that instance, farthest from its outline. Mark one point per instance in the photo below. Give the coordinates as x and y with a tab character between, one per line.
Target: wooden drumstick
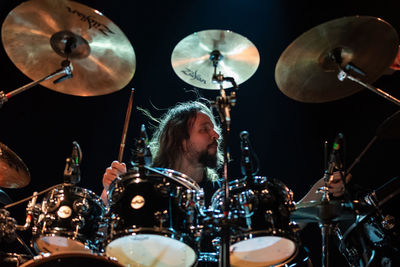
126	124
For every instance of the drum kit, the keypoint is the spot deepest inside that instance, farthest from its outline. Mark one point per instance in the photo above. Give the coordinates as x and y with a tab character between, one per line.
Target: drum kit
157	216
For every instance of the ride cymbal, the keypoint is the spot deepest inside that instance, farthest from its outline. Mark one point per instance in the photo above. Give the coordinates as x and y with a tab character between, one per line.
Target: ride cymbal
307	69
39	34
13	171
192	58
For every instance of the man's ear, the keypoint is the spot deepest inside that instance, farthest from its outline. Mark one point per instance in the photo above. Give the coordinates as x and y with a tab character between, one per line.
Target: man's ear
184	145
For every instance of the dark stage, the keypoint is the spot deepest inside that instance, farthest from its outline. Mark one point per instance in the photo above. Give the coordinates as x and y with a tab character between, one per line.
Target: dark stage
287	135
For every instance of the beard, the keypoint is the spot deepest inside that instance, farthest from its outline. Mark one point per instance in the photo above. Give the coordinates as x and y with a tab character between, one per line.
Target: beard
208	160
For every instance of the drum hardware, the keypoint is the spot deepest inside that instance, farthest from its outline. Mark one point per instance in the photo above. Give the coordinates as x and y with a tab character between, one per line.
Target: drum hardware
77	33
344	45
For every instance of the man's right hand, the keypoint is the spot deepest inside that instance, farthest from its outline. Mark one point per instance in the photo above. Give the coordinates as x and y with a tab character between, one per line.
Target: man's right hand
116	169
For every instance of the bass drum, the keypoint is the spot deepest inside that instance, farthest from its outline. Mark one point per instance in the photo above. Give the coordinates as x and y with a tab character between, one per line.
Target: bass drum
69	220
70	259
154	218
263	234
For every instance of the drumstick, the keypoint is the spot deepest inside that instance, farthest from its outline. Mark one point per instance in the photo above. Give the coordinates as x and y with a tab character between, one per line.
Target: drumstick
126	124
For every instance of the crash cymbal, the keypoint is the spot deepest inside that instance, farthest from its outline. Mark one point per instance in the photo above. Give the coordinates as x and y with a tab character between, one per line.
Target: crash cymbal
307	71
13	171
239	58
38	34
328	211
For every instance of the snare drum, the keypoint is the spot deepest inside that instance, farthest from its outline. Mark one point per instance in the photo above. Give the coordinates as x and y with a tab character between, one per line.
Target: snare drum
154	218
69	220
70	259
263	234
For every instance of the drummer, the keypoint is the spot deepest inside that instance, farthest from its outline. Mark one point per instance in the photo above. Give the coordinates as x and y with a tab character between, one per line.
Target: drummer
188	141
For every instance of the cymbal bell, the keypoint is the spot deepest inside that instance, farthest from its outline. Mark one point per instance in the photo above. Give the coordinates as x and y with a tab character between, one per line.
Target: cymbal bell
307	69
192	58
38	35
329	211
13	171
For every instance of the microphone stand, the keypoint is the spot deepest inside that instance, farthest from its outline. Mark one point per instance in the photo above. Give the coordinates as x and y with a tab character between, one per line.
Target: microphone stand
66	69
336	56
224	104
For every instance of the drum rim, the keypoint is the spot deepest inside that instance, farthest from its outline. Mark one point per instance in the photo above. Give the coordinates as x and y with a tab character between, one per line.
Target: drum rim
165	232
94	197
241	184
176	176
46	257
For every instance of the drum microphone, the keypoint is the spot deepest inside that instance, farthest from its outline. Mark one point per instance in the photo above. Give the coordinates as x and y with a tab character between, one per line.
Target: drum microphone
246	162
143	152
72	172
334	160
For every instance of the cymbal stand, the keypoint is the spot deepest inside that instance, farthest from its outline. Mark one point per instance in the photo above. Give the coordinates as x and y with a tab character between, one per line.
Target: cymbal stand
223	104
342	75
66	69
325	224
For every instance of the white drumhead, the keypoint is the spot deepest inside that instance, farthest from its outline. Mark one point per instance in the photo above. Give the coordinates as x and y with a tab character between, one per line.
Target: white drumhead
150	250
56	244
261	251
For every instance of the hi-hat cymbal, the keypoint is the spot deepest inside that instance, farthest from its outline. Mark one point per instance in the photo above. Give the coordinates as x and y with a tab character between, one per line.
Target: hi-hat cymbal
329	211
13	171
239	58
38	34
306	71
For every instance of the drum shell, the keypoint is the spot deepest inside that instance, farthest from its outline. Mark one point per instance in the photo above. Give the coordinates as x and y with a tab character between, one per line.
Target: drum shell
152	203
72	213
151	216
270	203
261	227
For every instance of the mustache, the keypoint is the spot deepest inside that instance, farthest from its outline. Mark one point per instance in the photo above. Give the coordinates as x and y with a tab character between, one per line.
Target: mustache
215	143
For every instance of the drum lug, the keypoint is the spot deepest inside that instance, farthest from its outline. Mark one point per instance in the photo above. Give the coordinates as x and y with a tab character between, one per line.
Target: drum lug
161	217
388	222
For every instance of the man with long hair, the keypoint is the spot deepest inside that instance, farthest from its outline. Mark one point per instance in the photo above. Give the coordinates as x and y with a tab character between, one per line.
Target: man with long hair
186	140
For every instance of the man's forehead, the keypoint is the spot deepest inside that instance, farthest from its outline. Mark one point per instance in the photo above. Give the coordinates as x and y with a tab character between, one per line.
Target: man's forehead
202	118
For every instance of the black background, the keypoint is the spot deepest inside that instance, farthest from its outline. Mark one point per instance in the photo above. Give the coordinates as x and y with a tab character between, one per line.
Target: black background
39	125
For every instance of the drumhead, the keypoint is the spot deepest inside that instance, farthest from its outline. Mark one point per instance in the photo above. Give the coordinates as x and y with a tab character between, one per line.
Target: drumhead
151	250
70	259
59	244
262	251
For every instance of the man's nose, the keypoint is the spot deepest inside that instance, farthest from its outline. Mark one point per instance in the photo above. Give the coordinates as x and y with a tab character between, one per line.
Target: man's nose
215	135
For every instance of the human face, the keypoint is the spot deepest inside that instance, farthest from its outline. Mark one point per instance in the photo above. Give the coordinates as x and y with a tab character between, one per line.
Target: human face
202	146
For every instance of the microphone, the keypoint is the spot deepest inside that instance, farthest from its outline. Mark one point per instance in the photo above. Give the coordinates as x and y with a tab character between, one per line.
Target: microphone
76	153
334	160
246	161
72	173
143	152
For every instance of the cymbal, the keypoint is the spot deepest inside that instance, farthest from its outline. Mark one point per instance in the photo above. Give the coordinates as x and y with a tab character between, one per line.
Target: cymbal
307	72
38	34
13	171
328	211
190	59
